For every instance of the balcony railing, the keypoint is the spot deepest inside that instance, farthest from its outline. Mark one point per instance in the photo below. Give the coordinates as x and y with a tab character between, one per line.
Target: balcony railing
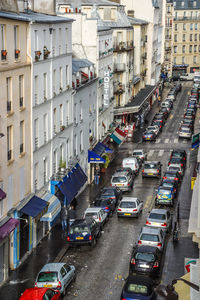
9	154
186	18
45	137
168	37
119	67
3	54
36	99
36	142
21	102
9	106
21	148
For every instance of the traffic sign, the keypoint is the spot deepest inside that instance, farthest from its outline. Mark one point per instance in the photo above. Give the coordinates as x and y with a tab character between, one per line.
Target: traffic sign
195	140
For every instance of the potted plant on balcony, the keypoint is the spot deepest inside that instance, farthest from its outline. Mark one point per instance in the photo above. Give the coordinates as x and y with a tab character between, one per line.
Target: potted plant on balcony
62	127
46	52
62	165
37	55
3	54
17	52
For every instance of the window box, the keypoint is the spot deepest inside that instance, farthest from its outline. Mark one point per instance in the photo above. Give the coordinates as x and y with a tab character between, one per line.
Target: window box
3	54
17	53
62	127
37	55
46	52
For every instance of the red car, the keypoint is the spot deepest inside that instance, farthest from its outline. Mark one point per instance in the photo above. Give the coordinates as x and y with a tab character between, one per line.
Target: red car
40	293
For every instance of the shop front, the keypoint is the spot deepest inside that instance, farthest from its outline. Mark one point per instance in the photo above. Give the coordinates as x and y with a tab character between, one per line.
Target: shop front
178	70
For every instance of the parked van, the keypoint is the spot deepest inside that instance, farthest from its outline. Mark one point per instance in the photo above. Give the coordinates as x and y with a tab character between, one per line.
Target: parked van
131	162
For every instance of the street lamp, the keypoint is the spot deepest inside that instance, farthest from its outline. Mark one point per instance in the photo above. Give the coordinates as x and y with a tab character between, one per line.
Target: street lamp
168	292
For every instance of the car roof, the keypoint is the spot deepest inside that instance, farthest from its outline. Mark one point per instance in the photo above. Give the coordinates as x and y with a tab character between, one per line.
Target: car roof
33	293
165	188
52	267
80	222
158	210
150	230
151	162
145	249
129	199
124	173
137	150
140	279
93	209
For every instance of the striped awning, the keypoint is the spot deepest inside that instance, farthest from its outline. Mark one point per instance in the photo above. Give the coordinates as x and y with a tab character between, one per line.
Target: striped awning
118	136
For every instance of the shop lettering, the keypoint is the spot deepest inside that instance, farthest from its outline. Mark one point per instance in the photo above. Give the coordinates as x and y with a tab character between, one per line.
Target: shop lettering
106	88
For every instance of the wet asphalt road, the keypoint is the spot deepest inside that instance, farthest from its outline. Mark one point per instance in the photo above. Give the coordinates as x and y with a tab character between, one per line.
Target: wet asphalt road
101	270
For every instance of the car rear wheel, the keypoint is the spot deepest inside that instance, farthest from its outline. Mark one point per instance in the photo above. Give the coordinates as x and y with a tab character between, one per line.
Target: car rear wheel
93	244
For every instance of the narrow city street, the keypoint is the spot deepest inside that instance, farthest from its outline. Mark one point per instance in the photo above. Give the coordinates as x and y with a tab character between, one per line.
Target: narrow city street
101	270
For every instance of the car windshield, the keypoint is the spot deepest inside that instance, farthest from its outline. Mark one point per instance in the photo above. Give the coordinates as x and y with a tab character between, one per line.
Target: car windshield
170	175
167	184
90	215
152	128
137	153
78	230
148	257
174	168
102	202
156	216
184	129
149	237
108	192
163	191
137	289
47	276
150	166
127	204
119	179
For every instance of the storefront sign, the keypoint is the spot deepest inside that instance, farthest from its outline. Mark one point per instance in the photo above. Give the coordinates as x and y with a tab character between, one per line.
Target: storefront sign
106	95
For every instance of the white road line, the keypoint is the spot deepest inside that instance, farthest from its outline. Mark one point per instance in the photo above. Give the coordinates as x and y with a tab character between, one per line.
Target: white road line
175	140
157	141
150	153
161	152
166	141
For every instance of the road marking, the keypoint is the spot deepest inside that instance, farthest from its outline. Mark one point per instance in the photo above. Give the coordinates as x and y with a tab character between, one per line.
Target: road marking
157	141
161	152
166	141
175	140
148	202
150	153
171	116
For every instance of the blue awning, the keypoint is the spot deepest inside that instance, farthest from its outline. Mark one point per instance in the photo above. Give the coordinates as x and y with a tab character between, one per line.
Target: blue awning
53	209
35	207
95	158
68	189
81	173
100	148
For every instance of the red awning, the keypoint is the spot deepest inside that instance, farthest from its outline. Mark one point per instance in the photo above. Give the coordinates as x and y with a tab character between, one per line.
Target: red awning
2	194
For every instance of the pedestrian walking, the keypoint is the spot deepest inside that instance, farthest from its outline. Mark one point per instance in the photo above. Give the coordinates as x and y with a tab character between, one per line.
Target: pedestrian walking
97	176
64	217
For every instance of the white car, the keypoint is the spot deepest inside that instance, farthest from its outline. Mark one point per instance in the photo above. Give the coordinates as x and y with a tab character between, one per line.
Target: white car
140	153
129	207
185	132
96	213
154	128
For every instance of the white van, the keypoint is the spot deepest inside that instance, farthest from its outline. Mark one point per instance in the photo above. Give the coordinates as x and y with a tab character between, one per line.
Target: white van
196	77
131	162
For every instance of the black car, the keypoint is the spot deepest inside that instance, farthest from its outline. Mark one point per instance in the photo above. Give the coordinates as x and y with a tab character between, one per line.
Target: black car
165	112
179	153
111	192
159	116
159	123
83	232
149	136
138	287
107	204
172	176
177	160
145	260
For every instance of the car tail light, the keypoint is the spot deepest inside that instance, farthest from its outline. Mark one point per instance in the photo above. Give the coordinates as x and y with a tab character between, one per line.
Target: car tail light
164	225
156	264
35	284
164	177
111	184
148	223
175	178
99	219
159	244
59	285
181	165
133	261
90	237
128	184
135	209
139	242
119	209
160	126
157	171
184	158
124	299
107	207
68	238
169	163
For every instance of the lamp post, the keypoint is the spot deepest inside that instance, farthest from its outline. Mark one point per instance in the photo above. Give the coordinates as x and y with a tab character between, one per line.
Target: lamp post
168	292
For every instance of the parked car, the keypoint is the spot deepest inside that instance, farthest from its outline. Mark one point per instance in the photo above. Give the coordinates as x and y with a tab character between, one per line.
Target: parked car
138	287
113	192
36	293
145	260
158	123
122	180
151	169
130	207
161	218
107	204
179	153
139	153
189	123
96	213
170	183
56	276
154	128
83	232
172	176
178	161
165	195
131	162
152	236
165	112
148	136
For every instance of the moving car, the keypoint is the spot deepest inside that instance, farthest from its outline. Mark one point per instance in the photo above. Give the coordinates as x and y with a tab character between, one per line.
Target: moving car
176	168
158	123
130	207
139	153
177	160
107	204
36	293
56	276
112	192
151	169
154	128
96	213
159	218
148	136
165	195
179	153
83	232
122	180
145	260
152	236
138	287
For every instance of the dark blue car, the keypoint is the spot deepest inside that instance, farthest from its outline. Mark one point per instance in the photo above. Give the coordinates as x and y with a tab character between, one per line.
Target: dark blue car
107	204
149	136
138	287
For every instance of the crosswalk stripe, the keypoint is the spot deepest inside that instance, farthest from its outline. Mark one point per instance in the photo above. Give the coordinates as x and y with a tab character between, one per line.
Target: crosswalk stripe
166	141
161	152
157	141
150	153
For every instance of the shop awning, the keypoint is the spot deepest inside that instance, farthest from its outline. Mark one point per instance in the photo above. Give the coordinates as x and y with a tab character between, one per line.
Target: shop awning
118	136
83	176
100	148
8	227
54	208
2	194
93	157
36	207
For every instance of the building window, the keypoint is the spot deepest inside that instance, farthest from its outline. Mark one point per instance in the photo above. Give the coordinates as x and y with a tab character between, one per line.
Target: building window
2	37
60	41
22	148
21	91
61	79
36	90
45	171
54	121
67	113
45	86
183	37
194	3
195	37
183	49
184	26
36	176
36	40
36	133
75	145
54	82
9	94
81	141
175	49
184	14
195	48
191	26
175	27
175	38
45	122
190	37
54	42
16	41
195	26
44	37
61	117
67	76
194	59
190	49
55	161
175	13
183	59
199	48
182	3
9	143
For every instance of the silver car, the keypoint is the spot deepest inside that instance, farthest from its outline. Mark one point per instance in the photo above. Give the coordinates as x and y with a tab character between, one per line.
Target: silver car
152	237
185	132
159	218
56	276
130	207
122	180
140	153
154	128
96	213
151	169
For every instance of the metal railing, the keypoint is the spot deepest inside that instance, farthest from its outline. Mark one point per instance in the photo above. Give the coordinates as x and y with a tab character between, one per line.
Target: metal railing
21	148
21	102
9	154
9	106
